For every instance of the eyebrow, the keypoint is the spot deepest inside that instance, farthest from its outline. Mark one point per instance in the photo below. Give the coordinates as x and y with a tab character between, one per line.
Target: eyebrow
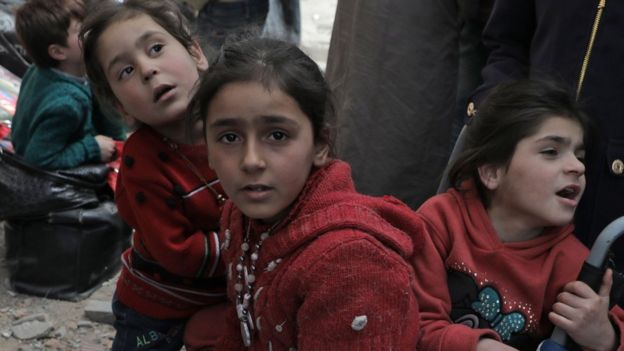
268	119
143	38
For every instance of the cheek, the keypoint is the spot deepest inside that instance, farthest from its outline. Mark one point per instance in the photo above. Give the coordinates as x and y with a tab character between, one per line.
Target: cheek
226	173
188	70
220	163
212	159
123	92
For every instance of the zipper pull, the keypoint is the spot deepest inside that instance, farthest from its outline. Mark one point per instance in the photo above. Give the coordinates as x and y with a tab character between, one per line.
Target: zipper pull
602	4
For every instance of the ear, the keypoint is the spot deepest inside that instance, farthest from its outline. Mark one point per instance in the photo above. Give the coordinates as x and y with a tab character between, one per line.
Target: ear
321	154
491	176
198	56
57	52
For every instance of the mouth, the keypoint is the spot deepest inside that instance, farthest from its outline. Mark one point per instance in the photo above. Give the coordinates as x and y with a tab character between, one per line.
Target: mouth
570	192
257	193
161	90
256	188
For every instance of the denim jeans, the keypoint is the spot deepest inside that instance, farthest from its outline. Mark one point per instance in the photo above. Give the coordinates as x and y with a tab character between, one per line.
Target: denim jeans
138	332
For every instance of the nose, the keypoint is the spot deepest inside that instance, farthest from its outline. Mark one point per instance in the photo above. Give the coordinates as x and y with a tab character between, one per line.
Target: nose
147	69
149	74
253	159
574	165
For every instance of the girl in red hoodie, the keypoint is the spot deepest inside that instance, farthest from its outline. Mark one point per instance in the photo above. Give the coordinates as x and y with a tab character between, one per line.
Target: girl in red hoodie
500	259
312	264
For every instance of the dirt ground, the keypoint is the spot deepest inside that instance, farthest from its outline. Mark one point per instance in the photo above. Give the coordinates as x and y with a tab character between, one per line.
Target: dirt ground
72	330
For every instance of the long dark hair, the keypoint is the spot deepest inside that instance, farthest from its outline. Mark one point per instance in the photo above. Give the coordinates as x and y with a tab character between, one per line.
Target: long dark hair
512	112
272	63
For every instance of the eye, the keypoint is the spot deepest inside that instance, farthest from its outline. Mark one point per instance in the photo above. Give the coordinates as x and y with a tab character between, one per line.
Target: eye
155	49
278	135
228	138
550	152
125	72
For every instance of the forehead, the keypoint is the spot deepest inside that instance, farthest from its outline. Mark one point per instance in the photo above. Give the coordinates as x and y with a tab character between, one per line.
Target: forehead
559	125
124	35
252	102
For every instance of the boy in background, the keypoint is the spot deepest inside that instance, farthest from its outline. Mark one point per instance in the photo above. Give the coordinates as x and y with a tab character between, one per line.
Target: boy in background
57	123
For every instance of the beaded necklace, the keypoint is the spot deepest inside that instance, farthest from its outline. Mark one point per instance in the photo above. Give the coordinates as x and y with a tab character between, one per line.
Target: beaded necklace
245	279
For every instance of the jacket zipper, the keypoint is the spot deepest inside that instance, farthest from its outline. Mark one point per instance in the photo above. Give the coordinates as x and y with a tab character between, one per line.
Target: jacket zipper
590	45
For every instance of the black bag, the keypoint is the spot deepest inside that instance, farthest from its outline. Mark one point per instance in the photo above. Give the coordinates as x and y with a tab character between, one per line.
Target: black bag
66	255
62	231
28	192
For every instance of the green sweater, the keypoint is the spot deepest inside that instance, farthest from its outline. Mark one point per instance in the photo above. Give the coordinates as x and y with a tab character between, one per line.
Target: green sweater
54	126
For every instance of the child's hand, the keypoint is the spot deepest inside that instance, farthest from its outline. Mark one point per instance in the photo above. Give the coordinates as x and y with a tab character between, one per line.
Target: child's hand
584	315
107	147
487	344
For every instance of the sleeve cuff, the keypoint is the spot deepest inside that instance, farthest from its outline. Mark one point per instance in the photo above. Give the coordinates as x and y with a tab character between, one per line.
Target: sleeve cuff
460	337
92	149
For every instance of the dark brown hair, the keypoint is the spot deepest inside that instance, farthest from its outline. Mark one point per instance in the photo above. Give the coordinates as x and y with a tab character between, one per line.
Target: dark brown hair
41	23
512	112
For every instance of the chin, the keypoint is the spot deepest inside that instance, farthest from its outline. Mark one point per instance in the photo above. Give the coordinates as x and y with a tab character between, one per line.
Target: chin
260	215
561	221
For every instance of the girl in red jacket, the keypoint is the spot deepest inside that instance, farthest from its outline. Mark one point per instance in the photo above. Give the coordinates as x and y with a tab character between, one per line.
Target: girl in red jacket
312	264
140	55
500	259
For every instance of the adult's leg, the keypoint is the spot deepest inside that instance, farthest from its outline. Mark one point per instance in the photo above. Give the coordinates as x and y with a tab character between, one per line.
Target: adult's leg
393	67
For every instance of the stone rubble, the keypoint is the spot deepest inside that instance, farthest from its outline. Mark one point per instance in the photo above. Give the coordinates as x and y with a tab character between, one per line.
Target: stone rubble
33	326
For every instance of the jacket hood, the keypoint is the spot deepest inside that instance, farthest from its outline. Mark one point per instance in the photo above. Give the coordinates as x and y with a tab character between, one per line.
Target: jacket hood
476	223
329	202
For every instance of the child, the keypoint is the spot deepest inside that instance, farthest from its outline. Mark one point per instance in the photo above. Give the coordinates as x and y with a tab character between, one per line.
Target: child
500	259
56	125
311	264
141	57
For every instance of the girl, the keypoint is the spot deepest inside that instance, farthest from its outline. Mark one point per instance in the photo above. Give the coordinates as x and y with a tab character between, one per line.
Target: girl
140	56
500	252
311	264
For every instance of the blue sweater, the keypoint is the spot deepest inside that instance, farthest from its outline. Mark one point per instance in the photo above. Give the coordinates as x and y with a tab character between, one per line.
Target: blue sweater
53	127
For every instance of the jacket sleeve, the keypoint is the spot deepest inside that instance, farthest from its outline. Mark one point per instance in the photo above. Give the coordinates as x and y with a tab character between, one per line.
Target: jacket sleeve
54	143
231	339
358	295
439	333
507	37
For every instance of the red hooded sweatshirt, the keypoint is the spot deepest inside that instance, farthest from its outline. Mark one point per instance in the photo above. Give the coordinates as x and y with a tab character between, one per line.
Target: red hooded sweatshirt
333	275
472	285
